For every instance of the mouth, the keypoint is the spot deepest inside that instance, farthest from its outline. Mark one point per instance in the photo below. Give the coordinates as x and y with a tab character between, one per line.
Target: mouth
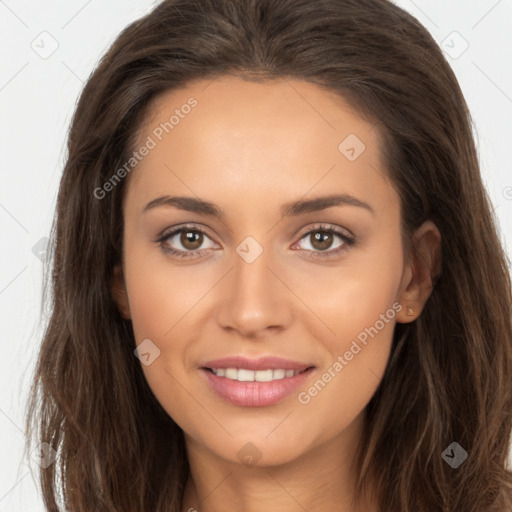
260	382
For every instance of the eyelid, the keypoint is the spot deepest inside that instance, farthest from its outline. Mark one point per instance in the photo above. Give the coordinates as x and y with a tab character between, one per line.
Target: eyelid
324	226
168	232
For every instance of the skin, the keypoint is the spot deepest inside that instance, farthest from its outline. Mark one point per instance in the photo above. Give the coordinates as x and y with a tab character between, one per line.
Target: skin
249	148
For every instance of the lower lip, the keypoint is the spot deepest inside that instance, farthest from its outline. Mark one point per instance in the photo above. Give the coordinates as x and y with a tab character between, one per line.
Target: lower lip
255	394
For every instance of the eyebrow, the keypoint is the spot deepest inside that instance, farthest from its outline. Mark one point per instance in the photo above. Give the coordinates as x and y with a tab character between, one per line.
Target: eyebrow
292	209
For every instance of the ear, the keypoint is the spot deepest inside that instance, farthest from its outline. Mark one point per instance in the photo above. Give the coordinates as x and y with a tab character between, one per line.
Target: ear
119	293
424	264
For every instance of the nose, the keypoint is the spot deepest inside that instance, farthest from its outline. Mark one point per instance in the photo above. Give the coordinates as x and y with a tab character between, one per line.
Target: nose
254	299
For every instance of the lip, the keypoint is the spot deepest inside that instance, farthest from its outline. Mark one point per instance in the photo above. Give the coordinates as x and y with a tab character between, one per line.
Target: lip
255	394
262	363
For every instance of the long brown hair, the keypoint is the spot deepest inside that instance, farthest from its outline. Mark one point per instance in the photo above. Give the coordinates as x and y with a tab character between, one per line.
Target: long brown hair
449	378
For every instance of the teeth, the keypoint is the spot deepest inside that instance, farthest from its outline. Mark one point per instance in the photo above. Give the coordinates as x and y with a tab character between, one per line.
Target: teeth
231	373
279	374
244	375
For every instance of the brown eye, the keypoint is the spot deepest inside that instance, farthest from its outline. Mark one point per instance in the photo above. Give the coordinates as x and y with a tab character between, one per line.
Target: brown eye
322	240
325	241
191	239
186	242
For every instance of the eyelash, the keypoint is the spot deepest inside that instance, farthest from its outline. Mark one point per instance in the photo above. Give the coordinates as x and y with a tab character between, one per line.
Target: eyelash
348	241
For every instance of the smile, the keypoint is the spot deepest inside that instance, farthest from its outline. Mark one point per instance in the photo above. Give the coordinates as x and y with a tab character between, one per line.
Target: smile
255	388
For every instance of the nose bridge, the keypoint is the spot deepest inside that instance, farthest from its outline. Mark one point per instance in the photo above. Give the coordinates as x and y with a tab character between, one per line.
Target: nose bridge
251	275
253	298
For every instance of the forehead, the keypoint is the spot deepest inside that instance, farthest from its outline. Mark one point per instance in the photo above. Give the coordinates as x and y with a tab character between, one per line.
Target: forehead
230	108
286	136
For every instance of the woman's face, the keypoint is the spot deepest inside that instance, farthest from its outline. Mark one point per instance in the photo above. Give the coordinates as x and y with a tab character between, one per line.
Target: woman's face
256	273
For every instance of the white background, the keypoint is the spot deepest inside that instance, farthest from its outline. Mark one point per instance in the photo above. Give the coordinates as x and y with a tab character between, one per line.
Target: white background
37	98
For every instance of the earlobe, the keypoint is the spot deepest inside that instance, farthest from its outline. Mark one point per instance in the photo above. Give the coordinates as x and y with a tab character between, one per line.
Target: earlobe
118	291
423	268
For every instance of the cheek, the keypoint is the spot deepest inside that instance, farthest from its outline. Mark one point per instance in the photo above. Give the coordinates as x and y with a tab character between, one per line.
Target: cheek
161	293
343	387
351	296
159	308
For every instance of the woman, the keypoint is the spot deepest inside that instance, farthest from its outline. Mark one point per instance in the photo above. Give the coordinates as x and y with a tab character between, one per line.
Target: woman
277	282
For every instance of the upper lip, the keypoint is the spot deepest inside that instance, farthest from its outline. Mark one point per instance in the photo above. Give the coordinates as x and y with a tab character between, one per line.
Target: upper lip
262	363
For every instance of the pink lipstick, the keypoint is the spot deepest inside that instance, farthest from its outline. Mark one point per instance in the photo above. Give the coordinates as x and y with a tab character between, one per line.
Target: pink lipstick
255	382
